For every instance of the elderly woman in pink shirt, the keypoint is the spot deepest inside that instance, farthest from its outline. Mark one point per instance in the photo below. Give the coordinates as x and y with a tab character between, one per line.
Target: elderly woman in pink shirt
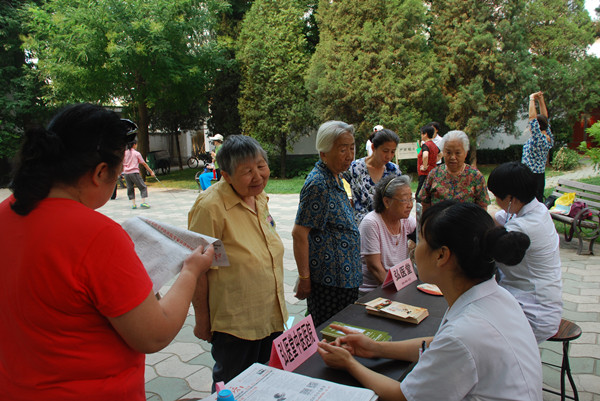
384	232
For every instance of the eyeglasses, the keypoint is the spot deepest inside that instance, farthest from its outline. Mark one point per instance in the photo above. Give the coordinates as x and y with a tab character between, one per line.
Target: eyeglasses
410	200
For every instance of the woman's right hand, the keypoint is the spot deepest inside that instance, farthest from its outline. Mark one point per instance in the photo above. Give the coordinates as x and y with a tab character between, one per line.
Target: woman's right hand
356	343
303	290
200	260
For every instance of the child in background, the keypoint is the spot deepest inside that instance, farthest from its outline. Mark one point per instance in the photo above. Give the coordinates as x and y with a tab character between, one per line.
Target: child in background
131	169
427	158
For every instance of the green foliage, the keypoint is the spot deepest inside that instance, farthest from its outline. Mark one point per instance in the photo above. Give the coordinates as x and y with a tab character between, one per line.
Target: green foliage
19	91
593	152
559	34
499	156
484	63
141	52
273	58
225	89
296	165
565	159
372	66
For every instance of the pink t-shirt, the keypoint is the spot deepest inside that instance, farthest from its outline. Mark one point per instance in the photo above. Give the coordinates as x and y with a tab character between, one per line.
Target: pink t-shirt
131	161
376	239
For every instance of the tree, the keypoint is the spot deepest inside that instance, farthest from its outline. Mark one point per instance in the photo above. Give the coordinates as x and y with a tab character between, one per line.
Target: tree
225	90
559	35
372	65
485	67
273	57
141	52
19	91
592	152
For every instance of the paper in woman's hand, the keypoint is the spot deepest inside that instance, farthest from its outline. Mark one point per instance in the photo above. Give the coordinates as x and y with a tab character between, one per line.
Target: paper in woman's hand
162	248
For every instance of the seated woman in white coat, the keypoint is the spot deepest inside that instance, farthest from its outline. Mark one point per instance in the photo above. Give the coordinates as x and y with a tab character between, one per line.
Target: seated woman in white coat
484	348
385	231
536	281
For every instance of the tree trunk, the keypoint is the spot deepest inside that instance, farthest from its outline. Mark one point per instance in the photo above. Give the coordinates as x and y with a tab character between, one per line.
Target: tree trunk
283	154
142	136
178	150
473	154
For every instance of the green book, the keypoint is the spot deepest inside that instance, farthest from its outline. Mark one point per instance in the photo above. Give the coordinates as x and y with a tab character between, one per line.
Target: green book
330	334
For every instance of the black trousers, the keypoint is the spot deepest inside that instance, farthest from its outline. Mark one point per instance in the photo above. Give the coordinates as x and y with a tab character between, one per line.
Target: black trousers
233	355
540	179
325	301
422	179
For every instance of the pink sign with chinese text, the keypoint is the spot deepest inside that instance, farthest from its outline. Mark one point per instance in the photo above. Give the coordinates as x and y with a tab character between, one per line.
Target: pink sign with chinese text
401	275
295	345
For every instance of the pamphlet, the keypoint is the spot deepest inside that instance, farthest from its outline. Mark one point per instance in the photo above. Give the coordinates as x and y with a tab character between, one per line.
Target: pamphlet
331	334
396	310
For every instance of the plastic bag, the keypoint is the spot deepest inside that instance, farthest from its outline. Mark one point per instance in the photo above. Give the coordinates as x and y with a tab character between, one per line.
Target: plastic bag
563	203
566	199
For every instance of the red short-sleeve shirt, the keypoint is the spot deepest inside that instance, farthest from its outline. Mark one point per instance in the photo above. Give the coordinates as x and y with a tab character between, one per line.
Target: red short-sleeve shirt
65	269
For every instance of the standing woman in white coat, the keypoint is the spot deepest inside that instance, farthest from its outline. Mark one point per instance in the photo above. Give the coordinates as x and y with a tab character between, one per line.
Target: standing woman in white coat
536	280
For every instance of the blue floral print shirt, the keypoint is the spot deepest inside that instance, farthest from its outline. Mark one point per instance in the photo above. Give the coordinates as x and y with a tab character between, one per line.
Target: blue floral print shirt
334	240
535	150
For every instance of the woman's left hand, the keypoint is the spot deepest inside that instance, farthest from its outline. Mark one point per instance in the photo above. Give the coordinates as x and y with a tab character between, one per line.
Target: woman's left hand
303	289
334	356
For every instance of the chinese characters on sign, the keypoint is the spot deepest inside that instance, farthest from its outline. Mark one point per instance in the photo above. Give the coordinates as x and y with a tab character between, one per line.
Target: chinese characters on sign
295	345
406	151
401	275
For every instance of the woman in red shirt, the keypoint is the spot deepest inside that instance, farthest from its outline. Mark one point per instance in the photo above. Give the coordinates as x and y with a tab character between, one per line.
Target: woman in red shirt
76	304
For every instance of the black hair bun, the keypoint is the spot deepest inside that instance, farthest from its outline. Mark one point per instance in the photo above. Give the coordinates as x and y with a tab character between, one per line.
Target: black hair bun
506	247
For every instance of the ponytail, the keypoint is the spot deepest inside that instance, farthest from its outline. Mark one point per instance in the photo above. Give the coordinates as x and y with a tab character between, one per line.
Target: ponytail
35	175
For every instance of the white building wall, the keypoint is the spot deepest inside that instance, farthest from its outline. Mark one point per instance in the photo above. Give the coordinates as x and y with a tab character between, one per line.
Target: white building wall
167	142
502	140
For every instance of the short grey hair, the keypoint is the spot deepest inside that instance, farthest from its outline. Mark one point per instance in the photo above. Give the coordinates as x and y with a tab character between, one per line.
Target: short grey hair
330	131
237	149
457	136
387	188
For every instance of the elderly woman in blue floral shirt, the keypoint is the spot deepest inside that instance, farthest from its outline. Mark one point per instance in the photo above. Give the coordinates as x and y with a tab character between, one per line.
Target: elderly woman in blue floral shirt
326	237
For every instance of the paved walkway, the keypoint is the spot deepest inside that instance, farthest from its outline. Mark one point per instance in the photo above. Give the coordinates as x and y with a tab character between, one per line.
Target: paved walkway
183	369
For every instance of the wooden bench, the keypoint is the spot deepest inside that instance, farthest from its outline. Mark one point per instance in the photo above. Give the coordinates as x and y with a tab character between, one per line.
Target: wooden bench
585	229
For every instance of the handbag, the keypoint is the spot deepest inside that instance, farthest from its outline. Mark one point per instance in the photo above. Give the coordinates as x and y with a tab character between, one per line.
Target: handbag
577	207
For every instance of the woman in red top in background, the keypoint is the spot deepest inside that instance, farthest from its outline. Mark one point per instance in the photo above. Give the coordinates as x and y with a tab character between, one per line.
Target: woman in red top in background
76	304
427	158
